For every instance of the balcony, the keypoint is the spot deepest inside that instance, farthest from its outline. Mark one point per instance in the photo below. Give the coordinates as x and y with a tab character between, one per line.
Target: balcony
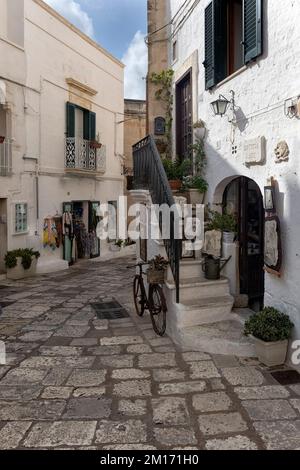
6	158
83	157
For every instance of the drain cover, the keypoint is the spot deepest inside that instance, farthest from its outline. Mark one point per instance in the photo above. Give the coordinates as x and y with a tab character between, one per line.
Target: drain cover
286	377
110	310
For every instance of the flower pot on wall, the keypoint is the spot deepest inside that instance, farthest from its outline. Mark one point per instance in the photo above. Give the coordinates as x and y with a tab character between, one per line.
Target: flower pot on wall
195	197
18	272
175	185
271	354
199	132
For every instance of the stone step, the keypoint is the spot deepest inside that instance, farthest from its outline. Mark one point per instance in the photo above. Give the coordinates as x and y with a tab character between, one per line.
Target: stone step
224	337
199	288
204	310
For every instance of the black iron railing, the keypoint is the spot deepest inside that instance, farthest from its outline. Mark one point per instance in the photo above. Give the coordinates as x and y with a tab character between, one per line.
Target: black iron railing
150	174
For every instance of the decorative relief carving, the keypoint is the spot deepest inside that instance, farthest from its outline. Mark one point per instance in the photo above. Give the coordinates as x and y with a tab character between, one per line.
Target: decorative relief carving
282	152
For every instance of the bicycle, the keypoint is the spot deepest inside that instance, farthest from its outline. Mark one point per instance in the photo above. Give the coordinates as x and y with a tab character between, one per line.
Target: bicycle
155	301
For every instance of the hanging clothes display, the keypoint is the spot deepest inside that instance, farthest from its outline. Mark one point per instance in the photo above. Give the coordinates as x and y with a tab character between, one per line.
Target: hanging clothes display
52	232
67	227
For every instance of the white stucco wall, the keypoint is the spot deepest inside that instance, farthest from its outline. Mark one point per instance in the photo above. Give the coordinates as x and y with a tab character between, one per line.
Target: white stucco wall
37	91
260	91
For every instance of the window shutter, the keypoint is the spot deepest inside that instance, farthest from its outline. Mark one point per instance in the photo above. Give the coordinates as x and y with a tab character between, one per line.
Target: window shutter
209	62
70	120
253	29
89	127
220	28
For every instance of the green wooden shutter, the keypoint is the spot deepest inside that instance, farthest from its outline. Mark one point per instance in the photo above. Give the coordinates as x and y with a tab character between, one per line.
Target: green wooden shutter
209	62
70	120
221	41
253	29
89	125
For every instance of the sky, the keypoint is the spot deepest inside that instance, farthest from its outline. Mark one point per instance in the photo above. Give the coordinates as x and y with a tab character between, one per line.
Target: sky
120	27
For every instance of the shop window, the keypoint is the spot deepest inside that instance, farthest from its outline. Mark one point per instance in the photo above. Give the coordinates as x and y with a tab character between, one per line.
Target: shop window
233	37
21	218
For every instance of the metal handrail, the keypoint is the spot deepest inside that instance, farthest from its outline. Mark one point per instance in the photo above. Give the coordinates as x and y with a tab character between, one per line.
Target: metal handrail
149	173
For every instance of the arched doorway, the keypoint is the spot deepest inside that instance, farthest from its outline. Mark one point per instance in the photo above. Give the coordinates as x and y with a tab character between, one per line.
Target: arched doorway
243	198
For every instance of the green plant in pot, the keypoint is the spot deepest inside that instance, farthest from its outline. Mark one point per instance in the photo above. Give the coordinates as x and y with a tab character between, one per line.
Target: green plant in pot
196	186
175	171
26	255
271	331
157	269
226	223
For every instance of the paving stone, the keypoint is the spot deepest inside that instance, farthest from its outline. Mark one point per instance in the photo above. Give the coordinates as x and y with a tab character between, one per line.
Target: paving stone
125	374
20	392
89	392
3	370
117	340
269	409
47	362
56	393
216	401
295	402
232	443
133	388
166	375
33	336
134	447
139	349
181	388
262	393
195	356
221	423
60	351
164	349
57	376
73	331
132	407
203	370
171	411
84	342
23	376
82	408
22	348
86	378
12	433
279	435
216	384
72	433
155	360
117	362
225	361
124	432
295	389
105	350
174	436
33	410
100	324
161	342
244	376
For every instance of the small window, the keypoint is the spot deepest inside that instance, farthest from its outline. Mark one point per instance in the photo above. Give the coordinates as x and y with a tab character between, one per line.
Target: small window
21	218
174	51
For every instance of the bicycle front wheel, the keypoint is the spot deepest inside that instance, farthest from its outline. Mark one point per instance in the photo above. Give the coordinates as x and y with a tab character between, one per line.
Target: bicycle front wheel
139	296
158	309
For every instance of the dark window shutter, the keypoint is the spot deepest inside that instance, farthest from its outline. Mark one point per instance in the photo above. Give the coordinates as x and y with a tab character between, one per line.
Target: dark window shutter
89	126
70	120
209	62
220	27
253	29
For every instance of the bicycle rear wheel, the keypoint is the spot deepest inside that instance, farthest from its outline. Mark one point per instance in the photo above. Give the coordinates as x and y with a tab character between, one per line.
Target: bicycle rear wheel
158	309
139	296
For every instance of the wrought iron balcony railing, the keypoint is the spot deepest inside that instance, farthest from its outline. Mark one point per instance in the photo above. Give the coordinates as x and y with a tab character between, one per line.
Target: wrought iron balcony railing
6	158
83	155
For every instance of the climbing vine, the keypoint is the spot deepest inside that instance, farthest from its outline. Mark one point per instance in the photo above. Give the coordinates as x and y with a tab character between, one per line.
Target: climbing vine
163	81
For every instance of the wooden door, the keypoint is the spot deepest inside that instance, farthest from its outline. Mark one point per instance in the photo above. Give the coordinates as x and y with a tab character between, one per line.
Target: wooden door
184	117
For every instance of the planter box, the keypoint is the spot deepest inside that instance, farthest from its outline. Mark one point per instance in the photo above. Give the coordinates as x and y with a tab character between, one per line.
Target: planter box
194	197
271	354
155	277
19	272
228	237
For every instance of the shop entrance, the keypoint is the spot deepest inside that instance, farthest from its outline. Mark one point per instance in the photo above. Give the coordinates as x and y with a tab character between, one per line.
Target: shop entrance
3	234
80	222
243	198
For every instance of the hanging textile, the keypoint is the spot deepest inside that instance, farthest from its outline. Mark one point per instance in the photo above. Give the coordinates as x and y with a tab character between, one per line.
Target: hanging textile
52	232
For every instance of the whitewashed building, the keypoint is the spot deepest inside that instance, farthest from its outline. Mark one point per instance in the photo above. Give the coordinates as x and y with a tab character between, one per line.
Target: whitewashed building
244	54
61	96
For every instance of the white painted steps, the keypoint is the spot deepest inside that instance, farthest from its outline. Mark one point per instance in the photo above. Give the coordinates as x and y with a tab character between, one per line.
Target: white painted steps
198	287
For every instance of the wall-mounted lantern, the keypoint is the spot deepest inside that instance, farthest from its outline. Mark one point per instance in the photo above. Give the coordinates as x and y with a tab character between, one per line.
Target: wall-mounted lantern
159	126
269	199
221	105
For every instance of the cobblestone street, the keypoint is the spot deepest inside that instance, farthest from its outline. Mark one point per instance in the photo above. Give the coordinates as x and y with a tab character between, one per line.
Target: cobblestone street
74	381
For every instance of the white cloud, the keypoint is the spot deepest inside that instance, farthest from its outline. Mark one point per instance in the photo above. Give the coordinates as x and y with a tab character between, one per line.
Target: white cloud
73	11
136	61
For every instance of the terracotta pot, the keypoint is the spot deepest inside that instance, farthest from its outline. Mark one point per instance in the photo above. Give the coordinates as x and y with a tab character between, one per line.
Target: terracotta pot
175	185
2	139
95	145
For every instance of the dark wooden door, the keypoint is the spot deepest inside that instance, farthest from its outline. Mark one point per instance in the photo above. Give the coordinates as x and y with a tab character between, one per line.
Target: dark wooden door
184	117
243	197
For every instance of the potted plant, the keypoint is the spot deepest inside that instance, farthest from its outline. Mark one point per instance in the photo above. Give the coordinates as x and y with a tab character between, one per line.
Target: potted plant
196	187
94	144
2	139
226	223
117	245
199	129
21	263
157	270
271	330
175	171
